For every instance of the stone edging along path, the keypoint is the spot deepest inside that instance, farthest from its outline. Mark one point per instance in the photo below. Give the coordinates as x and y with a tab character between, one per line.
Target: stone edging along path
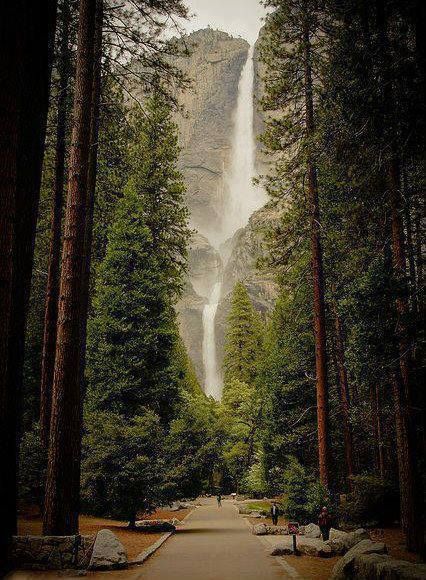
143	556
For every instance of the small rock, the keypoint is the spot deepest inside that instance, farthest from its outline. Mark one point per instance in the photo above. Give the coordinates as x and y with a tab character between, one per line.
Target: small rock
155	526
344	567
282	550
312	531
108	552
260	530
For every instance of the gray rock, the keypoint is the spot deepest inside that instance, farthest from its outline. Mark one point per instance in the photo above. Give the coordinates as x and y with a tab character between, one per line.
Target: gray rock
340	542
155	526
283	548
108	552
255	514
345	565
312	531
382	567
277	530
260	530
314	547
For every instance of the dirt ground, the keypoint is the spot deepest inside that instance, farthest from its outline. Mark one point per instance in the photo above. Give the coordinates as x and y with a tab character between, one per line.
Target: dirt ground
134	542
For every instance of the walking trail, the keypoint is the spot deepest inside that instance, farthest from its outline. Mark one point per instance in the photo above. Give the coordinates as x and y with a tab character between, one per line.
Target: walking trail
213	544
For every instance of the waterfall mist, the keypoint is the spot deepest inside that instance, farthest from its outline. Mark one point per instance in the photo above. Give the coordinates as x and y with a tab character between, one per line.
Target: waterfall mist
241	199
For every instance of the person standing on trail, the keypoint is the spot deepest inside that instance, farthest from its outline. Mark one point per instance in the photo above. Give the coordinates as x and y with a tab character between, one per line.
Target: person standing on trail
275	512
324	523
219	500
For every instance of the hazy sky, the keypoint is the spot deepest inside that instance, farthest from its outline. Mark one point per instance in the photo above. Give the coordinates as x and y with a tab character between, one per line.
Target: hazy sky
237	17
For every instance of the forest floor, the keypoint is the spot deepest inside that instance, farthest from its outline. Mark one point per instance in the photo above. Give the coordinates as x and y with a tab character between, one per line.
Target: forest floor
135	542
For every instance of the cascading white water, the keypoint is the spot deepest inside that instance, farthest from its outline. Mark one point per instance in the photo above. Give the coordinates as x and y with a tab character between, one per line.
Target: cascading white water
212	377
242	199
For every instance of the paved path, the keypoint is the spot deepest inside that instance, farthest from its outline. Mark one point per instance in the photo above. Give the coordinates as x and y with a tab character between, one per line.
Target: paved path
213	544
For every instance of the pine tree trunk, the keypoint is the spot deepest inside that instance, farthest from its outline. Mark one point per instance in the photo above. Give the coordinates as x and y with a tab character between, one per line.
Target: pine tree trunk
344	396
63	471
377	429
91	182
411	498
317	272
9	116
29	29
52	292
403	387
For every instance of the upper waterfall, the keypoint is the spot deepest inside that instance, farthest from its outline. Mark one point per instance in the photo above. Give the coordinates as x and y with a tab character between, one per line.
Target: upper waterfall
241	199
242	196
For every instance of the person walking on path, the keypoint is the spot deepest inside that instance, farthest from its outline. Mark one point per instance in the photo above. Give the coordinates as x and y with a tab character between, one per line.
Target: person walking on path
275	512
219	500
324	523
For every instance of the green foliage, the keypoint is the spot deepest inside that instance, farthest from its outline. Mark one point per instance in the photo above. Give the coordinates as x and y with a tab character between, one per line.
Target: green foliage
373	500
242	341
123	464
32	468
132	335
255	481
303	496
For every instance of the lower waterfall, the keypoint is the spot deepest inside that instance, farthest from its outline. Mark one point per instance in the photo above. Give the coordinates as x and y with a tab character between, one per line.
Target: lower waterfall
242	198
212	375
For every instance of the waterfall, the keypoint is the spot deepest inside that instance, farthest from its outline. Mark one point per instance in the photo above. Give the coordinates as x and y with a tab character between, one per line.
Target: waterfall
241	200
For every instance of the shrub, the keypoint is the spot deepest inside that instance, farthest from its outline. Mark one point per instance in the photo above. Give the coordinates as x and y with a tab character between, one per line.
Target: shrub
372	500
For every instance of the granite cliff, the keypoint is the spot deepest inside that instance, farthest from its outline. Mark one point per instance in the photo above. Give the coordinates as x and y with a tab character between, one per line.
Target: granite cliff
215	67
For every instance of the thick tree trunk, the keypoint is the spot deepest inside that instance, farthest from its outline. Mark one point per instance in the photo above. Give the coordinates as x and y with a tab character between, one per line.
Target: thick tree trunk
344	396
9	116
317	274
63	471
30	33
91	182
52	292
411	498
403	387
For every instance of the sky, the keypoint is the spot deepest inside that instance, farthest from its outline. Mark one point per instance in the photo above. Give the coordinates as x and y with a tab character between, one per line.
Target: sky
237	17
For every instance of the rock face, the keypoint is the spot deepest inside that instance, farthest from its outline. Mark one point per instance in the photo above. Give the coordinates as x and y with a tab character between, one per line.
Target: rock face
344	567
205	132
206	136
108	552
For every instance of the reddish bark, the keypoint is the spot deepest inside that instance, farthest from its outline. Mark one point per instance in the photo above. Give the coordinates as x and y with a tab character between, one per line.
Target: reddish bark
344	396
91	181
63	472
52	289
317	271
27	33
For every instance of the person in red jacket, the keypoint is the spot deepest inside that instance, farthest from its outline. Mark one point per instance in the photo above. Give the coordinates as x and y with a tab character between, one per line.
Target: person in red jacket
324	523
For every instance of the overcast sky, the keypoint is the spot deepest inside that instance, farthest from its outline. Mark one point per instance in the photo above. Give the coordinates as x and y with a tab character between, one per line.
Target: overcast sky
237	17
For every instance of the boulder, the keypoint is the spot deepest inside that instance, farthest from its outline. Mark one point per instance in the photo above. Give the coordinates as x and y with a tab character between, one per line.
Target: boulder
344	566
284	548
277	530
260	530
382	567
312	531
155	526
340	542
255	514
108	552
314	547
